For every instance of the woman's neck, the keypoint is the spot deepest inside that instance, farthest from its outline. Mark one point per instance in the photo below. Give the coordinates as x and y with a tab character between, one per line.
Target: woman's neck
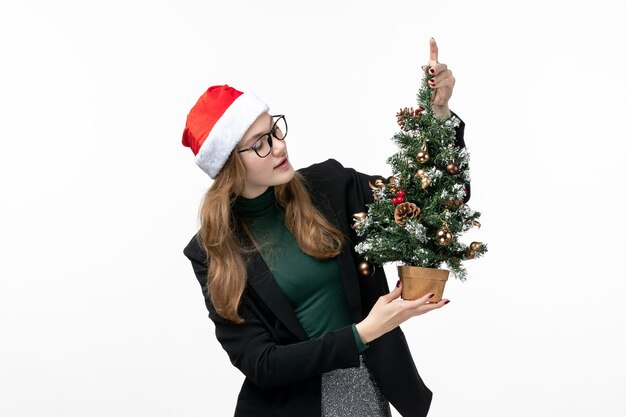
253	192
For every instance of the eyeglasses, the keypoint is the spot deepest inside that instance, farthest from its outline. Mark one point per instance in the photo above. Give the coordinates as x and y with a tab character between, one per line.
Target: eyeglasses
263	145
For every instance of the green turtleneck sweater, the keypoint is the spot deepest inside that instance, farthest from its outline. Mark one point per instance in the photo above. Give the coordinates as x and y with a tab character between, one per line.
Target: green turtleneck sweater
312	286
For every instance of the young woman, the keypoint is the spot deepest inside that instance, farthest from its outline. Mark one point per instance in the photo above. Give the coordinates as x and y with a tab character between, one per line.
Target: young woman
275	258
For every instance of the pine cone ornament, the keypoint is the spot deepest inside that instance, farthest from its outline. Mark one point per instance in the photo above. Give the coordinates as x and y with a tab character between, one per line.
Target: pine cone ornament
404	212
408	114
456	203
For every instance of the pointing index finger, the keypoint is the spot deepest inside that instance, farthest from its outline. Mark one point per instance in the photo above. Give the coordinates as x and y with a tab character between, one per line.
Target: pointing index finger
434	51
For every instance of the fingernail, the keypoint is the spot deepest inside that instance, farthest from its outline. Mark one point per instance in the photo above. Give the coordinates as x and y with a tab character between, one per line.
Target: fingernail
398	284
431	295
446	302
432	71
431	81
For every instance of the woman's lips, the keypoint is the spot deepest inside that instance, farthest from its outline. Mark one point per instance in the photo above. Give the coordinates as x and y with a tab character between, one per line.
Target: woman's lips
282	164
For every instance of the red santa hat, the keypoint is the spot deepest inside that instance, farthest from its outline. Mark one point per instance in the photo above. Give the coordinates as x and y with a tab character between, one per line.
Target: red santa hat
217	122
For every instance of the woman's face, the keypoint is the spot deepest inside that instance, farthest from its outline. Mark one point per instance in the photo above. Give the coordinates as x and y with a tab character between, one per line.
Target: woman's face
262	173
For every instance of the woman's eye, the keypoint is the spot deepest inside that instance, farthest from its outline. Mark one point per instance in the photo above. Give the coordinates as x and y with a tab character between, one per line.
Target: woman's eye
259	144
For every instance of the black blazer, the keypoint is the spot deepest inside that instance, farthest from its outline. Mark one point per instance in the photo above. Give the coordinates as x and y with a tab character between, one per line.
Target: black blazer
282	366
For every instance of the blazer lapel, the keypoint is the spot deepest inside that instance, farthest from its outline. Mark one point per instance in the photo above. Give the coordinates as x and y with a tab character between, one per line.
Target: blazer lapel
264	285
350	283
346	261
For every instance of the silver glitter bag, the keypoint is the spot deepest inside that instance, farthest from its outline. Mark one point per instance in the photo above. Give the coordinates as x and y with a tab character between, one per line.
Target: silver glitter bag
352	392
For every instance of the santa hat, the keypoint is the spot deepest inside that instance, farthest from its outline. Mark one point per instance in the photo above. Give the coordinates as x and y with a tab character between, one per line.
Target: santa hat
217	122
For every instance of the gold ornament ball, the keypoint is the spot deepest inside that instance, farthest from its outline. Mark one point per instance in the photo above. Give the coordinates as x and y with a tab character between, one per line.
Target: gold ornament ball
366	269
470	254
476	223
443	237
475	245
421	173
453	168
425	182
422	157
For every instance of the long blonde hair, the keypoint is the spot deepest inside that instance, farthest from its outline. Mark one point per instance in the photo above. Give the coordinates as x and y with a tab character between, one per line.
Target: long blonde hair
226	278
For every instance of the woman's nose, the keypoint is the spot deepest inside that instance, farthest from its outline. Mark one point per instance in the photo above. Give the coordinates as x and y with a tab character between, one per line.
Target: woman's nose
278	147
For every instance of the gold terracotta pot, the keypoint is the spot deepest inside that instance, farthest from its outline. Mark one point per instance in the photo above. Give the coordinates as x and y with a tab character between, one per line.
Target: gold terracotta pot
418	281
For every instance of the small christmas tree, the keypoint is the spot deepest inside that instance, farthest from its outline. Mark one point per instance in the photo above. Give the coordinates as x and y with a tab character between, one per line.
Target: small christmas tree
419	212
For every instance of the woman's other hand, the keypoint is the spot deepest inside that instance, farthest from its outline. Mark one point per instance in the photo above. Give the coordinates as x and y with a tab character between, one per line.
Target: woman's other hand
442	83
388	313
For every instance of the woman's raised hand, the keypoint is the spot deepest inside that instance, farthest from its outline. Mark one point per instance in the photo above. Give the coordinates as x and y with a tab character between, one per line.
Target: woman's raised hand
441	83
388	313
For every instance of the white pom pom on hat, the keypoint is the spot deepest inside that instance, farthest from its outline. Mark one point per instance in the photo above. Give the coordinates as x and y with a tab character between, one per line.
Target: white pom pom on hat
217	122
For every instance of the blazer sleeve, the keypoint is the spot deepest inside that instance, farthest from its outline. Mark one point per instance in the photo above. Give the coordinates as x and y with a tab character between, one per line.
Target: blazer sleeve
253	348
460	142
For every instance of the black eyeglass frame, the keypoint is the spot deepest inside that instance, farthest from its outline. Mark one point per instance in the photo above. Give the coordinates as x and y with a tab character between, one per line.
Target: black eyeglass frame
270	134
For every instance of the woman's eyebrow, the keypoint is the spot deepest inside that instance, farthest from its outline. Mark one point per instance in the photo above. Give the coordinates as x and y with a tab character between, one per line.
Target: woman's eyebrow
258	135
253	139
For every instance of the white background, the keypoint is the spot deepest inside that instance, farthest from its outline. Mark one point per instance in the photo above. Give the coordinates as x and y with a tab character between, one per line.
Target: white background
100	313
